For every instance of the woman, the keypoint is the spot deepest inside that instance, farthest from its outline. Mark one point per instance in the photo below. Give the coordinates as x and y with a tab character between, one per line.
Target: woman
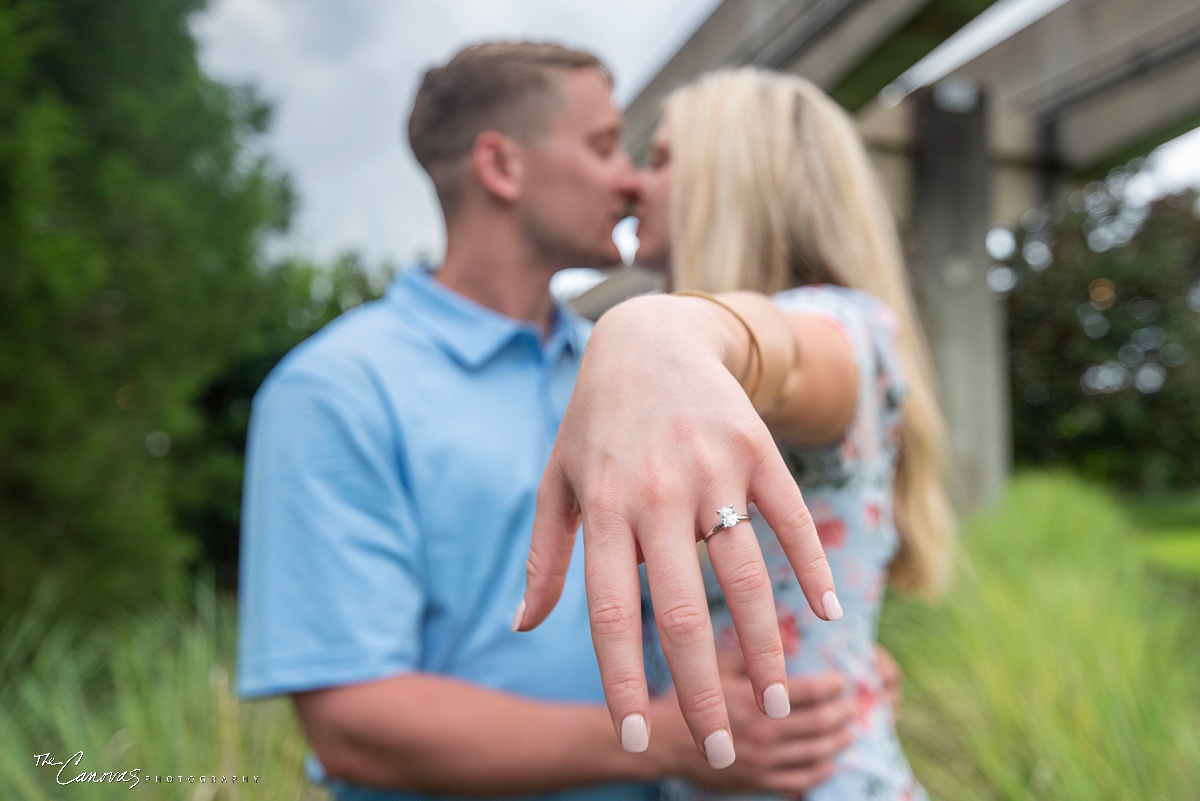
759	181
759	189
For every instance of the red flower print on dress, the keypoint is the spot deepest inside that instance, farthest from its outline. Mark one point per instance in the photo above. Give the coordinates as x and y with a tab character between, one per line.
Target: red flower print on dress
832	532
727	640
864	700
893	434
871	512
789	632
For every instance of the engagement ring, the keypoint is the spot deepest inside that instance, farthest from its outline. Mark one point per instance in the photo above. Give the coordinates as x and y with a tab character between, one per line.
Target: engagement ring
729	519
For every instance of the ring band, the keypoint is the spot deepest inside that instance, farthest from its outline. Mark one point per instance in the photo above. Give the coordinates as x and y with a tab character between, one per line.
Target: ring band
729	519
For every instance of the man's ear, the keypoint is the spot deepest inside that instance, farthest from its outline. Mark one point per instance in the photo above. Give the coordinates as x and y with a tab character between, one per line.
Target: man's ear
497	161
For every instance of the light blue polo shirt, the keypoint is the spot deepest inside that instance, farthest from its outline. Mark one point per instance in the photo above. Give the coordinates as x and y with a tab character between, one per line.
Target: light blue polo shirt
391	474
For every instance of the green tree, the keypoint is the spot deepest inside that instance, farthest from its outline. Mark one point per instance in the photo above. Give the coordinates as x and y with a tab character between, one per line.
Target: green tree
1104	327
134	202
298	298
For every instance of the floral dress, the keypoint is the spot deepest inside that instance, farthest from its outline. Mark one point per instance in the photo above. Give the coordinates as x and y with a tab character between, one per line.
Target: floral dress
848	487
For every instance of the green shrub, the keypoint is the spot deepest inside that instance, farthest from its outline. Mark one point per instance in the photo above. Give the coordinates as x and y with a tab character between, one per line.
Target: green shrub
1056	668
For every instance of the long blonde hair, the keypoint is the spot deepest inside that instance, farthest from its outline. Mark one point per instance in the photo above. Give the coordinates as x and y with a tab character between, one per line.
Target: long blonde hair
771	188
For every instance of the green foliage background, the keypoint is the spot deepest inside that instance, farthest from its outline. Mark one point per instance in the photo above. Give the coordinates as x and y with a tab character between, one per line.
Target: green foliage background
1109	385
137	312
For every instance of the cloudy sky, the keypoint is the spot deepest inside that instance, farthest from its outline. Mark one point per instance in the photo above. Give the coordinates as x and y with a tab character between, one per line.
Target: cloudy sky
342	76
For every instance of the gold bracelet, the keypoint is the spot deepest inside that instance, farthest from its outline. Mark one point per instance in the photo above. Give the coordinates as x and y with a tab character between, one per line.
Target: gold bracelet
753	339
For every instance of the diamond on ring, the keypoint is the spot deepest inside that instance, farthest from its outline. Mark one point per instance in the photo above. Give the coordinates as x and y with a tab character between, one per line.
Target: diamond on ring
729	519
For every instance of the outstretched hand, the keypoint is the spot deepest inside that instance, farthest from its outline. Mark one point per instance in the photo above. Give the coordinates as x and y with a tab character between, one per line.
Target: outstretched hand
658	435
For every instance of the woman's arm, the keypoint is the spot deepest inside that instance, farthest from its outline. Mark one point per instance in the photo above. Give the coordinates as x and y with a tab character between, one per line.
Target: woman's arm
809	384
658	435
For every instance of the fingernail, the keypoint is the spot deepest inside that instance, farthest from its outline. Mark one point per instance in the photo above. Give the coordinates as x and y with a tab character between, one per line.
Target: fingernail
775	701
519	616
634	737
833	608
718	747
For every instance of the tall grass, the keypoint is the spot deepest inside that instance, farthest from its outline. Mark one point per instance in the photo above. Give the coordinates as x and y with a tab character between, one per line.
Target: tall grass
1057	668
153	694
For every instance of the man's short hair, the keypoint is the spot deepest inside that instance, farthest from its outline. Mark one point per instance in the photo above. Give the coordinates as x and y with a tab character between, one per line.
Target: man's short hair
502	86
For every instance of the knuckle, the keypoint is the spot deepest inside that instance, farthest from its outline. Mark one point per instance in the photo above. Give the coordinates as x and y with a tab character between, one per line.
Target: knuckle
656	490
798	518
706	466
705	702
600	502
766	650
685	429
814	565
535	569
610	616
746	440
682	623
747	580
624	687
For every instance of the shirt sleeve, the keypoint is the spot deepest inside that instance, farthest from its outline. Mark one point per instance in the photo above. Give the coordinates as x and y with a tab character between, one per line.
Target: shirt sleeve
332	582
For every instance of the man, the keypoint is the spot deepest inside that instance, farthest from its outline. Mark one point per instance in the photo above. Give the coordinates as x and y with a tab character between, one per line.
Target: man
392	469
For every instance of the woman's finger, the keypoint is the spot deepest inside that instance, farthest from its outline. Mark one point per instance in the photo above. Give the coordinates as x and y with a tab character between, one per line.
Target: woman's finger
614	597
775	493
738	564
685	633
554	524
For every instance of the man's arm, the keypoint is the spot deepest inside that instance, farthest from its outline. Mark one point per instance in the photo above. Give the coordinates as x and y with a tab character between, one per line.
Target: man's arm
435	734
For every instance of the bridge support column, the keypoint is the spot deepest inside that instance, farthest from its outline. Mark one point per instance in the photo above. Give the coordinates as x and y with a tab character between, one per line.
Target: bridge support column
964	322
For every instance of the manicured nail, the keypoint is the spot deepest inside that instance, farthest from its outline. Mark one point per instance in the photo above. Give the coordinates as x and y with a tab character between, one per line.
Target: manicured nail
634	737
833	609
775	701
718	747
519	616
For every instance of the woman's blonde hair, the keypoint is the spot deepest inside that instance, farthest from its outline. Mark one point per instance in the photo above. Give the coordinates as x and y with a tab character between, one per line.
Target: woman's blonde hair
771	188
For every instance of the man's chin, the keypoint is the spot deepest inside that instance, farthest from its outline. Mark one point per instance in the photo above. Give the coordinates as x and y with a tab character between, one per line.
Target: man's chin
601	260
654	262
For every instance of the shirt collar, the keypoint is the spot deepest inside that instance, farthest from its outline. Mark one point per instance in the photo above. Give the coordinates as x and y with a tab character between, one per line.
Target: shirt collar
473	334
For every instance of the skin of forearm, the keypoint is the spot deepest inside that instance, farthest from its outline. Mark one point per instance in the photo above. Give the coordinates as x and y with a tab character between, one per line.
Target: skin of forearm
808	383
434	734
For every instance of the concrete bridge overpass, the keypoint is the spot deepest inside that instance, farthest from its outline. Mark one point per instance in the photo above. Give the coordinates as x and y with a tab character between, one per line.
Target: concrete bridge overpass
1086	86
